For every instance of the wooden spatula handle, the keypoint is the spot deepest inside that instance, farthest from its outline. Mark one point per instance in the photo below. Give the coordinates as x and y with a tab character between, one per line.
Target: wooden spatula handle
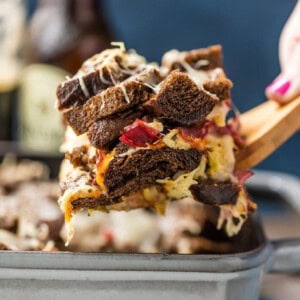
266	127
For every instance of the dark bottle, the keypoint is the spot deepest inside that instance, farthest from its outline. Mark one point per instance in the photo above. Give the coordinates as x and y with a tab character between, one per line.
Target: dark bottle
65	33
11	42
62	34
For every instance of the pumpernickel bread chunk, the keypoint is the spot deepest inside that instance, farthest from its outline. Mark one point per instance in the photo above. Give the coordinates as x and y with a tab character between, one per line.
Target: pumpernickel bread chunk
101	71
142	168
141	135
203	64
113	100
90	203
199	59
219	86
107	130
76	91
78	157
180	101
215	193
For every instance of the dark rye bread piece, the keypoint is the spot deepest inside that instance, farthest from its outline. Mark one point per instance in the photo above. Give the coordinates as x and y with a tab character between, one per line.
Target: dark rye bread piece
96	74
107	130
220	86
86	203
115	99
217	83
70	93
213	55
79	157
142	168
180	101
215	193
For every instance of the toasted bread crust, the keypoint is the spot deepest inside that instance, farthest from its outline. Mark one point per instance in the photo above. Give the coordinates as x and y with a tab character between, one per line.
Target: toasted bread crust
111	101
90	203
107	130
180	101
126	174
215	193
213	56
70	93
96	74
220	86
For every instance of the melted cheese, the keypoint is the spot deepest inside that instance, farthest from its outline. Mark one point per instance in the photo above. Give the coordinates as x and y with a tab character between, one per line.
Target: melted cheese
149	81
221	157
234	216
215	73
72	140
202	63
120	45
131	62
123	89
175	141
102	168
129	152
218	114
83	86
198	76
197	143
179	188
155	198
65	203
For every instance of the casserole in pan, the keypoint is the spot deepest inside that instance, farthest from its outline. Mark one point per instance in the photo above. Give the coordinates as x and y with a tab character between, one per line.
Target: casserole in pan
40	275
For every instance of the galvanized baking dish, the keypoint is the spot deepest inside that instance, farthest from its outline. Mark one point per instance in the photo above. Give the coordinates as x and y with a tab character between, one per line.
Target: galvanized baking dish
28	275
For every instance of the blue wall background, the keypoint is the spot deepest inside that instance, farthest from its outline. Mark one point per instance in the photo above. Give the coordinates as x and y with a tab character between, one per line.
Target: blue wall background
248	30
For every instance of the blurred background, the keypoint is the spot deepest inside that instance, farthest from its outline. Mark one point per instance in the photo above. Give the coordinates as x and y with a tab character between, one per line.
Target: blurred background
42	42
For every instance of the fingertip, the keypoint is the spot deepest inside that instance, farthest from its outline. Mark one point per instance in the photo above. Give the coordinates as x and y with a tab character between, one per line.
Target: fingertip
278	89
293	92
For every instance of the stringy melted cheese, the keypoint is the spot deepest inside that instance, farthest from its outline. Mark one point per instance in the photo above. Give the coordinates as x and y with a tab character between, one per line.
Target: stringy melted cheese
221	159
198	76
175	141
80	188
131	64
234	216
218	114
178	188
72	140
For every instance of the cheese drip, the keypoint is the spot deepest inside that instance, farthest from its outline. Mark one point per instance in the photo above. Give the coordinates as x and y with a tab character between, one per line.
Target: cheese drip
179	188
81	188
234	216
115	61
198	76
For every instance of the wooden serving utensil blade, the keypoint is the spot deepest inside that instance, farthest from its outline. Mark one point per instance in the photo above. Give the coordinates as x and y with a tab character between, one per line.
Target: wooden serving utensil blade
265	128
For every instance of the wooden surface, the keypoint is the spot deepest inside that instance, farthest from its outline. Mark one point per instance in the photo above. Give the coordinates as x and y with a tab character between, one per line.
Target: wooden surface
266	127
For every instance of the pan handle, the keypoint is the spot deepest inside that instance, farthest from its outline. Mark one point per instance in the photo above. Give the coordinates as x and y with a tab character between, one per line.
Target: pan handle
285	253
285	256
287	186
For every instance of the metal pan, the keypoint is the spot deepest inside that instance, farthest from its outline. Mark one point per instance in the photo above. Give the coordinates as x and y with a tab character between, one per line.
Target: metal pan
28	275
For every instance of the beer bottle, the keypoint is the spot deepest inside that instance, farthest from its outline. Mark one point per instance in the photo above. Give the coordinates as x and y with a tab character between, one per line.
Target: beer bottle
12	21
61	35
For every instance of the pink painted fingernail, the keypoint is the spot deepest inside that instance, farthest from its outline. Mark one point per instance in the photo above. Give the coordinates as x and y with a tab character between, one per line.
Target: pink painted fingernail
279	86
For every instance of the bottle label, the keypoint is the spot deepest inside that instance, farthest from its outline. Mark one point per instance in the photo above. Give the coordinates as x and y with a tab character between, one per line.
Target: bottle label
40	124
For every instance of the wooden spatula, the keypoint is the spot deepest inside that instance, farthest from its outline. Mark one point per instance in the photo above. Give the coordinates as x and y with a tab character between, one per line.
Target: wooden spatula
266	127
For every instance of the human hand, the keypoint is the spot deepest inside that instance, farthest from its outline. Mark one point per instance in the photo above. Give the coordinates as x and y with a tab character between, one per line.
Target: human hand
286	85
